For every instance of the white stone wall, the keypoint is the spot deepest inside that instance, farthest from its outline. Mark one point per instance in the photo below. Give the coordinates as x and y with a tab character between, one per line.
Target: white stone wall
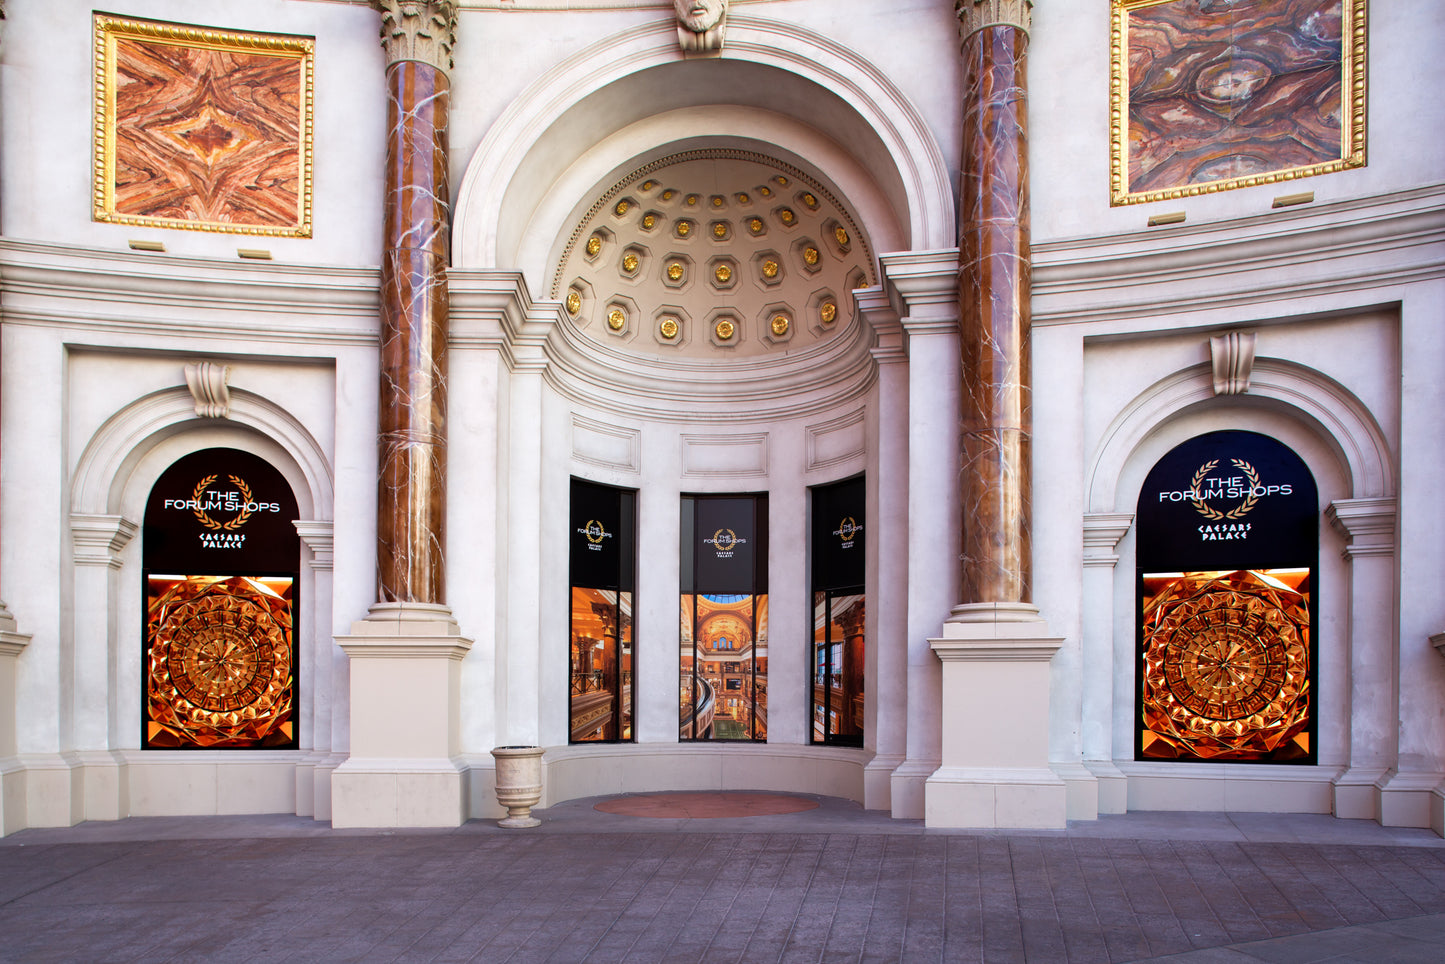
551	103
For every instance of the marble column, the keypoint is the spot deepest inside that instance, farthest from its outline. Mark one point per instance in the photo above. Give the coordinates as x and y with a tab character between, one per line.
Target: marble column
995	649
411	506
993	303
405	766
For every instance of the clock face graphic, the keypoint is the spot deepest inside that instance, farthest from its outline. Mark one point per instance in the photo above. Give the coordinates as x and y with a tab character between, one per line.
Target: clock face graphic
1226	666
219	663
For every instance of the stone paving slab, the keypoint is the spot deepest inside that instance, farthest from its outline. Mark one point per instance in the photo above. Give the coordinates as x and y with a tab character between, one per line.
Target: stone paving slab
835	884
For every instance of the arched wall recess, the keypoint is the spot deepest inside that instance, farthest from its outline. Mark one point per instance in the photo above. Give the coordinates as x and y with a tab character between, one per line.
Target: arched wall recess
1331	414
105	482
820	87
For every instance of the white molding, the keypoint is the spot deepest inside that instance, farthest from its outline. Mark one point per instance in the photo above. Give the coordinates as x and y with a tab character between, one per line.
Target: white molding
493	310
1335	412
725	456
500	178
1361	245
623	444
101	472
181	299
837	441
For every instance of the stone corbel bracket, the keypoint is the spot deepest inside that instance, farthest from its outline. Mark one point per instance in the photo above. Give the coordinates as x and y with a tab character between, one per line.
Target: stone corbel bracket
1232	356
208	384
1438	641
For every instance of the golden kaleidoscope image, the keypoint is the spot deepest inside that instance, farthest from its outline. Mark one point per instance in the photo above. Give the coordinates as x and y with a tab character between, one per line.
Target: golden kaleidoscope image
1226	666
218	662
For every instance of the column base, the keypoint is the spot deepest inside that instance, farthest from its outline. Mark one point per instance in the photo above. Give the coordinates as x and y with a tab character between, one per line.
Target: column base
1082	787
995	770
405	666
1406	799
907	788
1355	794
878	782
12	797
1113	786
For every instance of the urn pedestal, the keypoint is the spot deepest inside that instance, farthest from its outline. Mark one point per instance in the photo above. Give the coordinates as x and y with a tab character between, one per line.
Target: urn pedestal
519	784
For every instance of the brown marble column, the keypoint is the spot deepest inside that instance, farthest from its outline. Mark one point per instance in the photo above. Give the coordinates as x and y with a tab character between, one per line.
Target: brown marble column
993	300
411	506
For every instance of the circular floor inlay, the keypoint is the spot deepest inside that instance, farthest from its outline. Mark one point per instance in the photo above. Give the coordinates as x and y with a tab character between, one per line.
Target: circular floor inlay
706	805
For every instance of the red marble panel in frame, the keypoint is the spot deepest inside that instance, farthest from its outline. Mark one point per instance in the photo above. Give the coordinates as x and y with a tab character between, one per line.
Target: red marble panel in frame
202	129
1209	95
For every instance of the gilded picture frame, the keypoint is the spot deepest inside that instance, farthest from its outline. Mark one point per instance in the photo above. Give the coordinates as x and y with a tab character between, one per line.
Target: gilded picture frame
1170	143
202	129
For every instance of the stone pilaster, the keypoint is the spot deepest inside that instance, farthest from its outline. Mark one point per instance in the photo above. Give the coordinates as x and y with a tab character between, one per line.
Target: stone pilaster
12	775
1368	525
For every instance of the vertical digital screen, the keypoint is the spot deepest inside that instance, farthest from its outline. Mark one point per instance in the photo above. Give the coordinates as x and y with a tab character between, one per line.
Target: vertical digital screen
723	658
839	611
601	553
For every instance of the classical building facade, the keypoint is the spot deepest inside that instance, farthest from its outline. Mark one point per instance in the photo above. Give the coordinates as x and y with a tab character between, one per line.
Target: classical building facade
993	412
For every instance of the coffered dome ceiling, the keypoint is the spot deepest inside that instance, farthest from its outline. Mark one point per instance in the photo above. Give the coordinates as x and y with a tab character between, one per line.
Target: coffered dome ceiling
713	254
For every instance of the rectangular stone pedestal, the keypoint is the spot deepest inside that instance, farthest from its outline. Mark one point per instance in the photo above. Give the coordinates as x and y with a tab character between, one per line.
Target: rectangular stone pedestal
995	770
405	719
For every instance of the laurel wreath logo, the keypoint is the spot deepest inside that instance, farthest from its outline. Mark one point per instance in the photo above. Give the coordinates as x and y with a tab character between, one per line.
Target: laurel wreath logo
731	540
847	529
1239	511
241	517
594	531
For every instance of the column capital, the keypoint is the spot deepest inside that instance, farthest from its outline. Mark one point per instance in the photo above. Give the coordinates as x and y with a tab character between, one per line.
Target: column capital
1102	532
98	539
318	538
974	15
1368	524
421	30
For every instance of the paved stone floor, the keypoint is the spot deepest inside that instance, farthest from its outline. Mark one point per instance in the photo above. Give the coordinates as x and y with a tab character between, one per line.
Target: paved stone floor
832	884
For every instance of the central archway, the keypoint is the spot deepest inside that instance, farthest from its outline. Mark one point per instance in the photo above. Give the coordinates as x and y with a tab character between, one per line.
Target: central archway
632	97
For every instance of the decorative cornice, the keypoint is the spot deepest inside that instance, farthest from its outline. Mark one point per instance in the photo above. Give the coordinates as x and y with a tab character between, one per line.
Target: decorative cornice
974	15
421	30
1351	246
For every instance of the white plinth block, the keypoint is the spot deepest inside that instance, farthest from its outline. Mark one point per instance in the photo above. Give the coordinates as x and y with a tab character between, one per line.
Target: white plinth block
995	770
405	720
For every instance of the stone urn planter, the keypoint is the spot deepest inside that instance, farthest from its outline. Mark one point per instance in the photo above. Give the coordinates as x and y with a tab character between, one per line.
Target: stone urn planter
519	784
